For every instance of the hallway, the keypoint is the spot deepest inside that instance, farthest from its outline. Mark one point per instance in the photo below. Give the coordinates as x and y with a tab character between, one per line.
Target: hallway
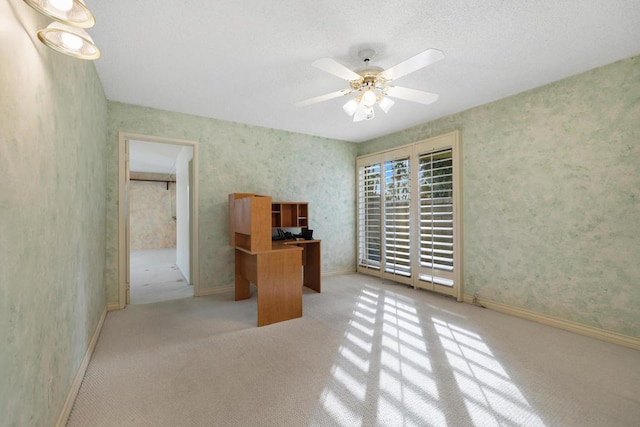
155	277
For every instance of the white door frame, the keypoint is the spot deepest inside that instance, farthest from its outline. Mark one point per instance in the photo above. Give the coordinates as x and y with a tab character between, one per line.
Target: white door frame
123	253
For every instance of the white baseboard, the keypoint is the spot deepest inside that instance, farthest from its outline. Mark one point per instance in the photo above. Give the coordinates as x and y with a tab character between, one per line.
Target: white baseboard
185	276
338	272
211	291
113	306
77	379
567	325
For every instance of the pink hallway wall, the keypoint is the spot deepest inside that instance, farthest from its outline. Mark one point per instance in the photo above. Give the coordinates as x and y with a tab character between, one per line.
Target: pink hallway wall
151	211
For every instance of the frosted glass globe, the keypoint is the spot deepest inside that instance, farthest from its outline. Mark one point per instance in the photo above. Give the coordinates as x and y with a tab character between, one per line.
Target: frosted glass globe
368	98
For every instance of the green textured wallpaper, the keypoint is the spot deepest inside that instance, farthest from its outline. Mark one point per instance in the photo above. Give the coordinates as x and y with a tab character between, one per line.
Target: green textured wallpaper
242	158
52	218
552	197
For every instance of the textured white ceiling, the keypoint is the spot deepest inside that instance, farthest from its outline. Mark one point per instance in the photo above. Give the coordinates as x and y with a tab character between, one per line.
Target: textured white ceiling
249	61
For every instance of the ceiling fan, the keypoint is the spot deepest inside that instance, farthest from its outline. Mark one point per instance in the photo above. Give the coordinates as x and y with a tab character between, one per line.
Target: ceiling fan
371	84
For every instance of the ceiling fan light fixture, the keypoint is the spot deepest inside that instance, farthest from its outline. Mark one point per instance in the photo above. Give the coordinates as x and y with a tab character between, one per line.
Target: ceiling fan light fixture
70	12
69	40
369	98
363	113
385	104
371	84
350	107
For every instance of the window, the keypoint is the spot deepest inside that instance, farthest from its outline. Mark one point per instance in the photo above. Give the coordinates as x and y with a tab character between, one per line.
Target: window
369	217
409	216
435	177
397	209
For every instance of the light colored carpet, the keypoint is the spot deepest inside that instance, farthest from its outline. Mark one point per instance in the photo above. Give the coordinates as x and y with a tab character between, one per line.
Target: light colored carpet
365	353
155	277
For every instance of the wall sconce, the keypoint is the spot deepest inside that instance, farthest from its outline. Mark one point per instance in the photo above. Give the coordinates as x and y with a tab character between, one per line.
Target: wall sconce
67	36
71	41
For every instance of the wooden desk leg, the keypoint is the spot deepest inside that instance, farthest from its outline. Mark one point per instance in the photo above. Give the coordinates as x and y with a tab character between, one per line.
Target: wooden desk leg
279	290
242	284
312	266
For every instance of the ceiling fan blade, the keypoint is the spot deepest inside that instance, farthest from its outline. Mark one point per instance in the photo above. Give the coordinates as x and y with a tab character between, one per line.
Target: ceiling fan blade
421	60
324	97
412	94
337	69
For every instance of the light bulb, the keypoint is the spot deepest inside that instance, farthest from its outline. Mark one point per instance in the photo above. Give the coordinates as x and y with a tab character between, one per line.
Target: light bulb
64	5
369	98
71	41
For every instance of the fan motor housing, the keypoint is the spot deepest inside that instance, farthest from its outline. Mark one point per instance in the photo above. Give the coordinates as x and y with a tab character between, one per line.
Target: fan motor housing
370	78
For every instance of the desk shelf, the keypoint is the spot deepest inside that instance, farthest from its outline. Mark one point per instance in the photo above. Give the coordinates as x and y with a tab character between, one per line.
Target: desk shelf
289	215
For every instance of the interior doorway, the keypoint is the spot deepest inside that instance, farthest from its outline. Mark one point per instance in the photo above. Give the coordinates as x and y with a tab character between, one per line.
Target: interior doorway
158	224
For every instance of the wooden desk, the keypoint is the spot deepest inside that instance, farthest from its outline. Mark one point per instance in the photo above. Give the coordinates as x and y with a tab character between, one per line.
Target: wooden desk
276	273
274	267
311	262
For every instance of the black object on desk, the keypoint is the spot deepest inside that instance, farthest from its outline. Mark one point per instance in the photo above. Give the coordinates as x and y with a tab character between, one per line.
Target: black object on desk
305	234
282	235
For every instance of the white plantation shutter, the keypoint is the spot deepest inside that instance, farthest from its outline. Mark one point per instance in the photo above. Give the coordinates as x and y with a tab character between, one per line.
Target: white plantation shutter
369	216
397	210
435	178
409	214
